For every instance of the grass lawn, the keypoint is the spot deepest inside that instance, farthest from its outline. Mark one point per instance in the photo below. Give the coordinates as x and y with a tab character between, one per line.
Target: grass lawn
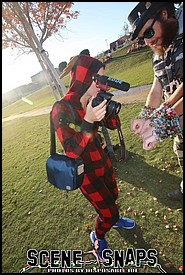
37	215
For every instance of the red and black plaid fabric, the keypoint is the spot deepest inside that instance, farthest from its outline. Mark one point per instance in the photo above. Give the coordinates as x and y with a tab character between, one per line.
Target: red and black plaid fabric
99	185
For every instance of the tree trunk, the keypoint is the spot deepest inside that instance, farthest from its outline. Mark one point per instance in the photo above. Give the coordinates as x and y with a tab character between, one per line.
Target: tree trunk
47	76
40	52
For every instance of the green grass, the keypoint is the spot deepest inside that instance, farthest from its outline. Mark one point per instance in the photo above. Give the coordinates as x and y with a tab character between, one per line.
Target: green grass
37	215
39	99
129	68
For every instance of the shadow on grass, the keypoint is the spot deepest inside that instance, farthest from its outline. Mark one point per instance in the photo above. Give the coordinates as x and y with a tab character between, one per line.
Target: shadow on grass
156	182
128	235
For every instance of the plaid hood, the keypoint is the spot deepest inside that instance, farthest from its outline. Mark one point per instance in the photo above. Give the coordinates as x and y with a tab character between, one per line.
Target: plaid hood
81	77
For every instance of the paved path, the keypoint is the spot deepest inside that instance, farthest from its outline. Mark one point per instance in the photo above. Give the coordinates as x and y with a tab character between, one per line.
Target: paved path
131	90
45	110
42	111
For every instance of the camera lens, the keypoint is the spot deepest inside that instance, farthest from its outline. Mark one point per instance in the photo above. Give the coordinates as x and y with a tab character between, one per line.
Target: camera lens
113	107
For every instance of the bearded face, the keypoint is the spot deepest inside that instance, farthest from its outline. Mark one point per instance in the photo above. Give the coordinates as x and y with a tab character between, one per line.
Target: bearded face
169	29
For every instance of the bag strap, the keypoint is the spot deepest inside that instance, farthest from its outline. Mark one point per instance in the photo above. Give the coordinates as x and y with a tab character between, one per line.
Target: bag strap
52	129
52	136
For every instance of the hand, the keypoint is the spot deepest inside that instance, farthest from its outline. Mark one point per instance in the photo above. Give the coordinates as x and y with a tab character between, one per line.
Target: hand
144	130
147	129
95	113
149	142
137	125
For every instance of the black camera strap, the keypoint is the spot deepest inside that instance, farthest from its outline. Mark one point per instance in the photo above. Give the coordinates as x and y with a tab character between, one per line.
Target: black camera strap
112	150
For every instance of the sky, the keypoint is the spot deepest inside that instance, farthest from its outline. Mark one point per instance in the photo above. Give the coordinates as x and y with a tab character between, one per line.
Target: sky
97	25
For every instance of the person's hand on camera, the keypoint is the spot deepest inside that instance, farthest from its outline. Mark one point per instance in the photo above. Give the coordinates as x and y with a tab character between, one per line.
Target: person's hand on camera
96	113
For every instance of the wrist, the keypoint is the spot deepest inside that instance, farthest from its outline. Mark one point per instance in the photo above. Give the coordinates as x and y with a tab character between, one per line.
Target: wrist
87	126
166	123
146	111
167	104
88	120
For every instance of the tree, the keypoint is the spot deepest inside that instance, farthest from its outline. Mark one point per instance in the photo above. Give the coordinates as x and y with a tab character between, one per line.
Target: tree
27	25
125	30
62	66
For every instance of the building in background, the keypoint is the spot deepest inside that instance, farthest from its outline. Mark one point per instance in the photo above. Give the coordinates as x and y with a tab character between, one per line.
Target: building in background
120	42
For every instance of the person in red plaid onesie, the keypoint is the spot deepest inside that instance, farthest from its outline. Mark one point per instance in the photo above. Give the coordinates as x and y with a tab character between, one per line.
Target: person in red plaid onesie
81	140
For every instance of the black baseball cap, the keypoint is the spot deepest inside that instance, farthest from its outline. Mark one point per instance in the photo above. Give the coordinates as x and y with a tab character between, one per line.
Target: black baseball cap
142	13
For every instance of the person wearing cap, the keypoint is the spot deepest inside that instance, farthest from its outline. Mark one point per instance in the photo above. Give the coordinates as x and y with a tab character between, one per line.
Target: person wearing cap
85	51
80	139
160	26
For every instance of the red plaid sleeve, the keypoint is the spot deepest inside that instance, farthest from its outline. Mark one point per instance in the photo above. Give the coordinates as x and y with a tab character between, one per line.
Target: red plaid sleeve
73	140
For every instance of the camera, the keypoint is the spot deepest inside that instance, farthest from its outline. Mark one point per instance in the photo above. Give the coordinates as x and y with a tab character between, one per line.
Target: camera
112	108
105	83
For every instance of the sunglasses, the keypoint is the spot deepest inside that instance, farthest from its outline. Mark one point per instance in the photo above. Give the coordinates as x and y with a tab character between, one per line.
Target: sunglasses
149	33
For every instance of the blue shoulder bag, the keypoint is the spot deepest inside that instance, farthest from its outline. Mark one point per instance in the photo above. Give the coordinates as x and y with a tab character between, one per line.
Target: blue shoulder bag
62	171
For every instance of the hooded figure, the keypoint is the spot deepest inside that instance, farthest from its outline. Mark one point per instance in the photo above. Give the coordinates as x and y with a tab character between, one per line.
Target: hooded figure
80	139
